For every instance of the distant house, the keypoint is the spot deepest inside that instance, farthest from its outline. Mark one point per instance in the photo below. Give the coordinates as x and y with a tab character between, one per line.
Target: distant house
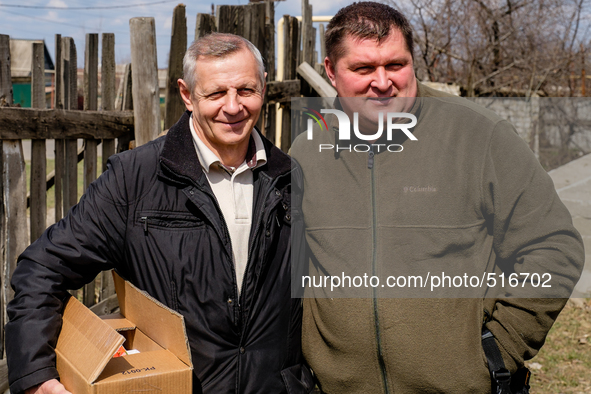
21	59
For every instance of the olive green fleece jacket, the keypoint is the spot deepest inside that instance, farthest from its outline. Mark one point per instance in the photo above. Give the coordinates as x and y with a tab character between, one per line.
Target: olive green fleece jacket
468	193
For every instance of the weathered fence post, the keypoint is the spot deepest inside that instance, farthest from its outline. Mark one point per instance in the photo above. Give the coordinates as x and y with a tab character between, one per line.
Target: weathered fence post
66	159
108	88
270	125
70	100
230	19
38	213
59	144
5	98
90	144
90	104
205	24
291	45
178	45
107	104
14	190
254	31
144	64
307	34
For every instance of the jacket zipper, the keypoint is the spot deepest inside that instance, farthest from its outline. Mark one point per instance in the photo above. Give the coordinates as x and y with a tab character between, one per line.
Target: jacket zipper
145	220
258	225
225	226
370	165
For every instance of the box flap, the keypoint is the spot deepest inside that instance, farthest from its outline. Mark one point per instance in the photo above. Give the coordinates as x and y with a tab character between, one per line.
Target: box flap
165	326
118	322
86	341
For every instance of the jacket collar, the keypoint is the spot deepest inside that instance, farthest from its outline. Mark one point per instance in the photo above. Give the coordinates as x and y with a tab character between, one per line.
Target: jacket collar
178	159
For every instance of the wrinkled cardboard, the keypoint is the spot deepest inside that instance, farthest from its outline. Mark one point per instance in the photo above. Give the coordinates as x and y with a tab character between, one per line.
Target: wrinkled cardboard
87	343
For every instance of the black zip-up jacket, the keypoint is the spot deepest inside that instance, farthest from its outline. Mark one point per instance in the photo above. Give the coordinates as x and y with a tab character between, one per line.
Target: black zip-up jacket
153	217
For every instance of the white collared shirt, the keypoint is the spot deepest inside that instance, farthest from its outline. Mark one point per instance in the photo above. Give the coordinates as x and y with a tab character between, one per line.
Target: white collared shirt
233	189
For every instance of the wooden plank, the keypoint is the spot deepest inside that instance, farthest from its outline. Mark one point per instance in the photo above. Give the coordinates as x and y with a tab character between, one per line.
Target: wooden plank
127	101
307	37
145	90
91	72
270	40
107	285
60	155
270	125
3	375
205	24
70	67
223	14
295	35
108	72
292	41
230	19
15	237
15	209
29	123
286	127
281	92
5	99
314	58
108	89
106	306
90	144
321	71
71	178
124	141
174	105
322	42
254	22
323	88
38	204
59	144
90	103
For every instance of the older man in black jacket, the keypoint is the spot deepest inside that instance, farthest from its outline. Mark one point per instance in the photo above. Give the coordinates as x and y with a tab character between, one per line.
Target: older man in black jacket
200	219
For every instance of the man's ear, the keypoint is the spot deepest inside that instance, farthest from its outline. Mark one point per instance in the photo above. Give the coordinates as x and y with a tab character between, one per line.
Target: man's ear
185	94
330	71
264	84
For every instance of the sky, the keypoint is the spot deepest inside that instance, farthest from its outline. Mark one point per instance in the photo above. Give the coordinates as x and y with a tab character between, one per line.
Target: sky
43	19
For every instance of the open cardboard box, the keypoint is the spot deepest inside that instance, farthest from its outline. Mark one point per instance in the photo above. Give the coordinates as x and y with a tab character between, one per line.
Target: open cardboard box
87	343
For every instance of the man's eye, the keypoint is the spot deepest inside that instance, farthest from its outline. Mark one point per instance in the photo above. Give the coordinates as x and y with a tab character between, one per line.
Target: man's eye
394	66
246	91
363	69
216	94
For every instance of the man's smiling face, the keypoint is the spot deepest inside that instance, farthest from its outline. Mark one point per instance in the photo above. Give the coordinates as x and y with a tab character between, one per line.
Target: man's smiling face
374	69
227	99
381	72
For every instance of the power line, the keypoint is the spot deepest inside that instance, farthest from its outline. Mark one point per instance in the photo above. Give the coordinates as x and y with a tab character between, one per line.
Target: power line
86	8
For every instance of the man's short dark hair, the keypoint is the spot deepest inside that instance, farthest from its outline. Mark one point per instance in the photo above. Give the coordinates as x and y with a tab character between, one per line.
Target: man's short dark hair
365	20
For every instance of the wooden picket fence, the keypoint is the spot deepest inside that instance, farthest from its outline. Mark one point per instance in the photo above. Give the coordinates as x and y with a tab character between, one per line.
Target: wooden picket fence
129	113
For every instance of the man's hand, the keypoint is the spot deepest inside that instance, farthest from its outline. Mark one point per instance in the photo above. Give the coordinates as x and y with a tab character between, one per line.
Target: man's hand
52	386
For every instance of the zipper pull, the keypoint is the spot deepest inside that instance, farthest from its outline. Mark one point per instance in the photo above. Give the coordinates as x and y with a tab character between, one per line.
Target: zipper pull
145	220
370	159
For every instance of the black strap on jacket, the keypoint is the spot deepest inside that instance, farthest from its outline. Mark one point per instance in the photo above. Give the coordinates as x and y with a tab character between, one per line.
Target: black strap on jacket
500	376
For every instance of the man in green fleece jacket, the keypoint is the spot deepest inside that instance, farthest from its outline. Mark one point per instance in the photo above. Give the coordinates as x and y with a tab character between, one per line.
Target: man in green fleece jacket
467	195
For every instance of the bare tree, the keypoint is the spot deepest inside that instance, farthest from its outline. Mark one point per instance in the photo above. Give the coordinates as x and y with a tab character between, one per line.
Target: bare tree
500	47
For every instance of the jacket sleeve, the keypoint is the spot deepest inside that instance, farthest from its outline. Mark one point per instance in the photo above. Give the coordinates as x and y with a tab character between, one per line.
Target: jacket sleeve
532	233
68	255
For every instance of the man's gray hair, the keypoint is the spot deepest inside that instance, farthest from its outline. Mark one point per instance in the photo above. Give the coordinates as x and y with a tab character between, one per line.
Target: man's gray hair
218	45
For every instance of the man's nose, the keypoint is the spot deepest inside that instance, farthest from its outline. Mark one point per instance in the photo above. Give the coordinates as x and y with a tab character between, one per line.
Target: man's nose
232	104
381	80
